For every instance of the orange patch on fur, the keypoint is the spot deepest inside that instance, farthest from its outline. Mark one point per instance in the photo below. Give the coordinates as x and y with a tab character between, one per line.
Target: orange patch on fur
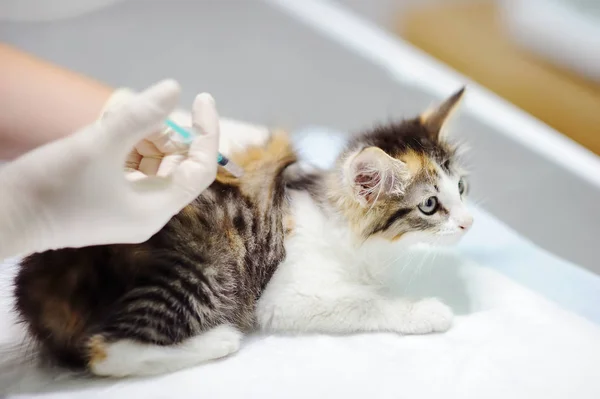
386	235
397	237
289	224
96	349
260	161
235	240
429	165
426	115
60	318
417	162
413	160
190	212
277	149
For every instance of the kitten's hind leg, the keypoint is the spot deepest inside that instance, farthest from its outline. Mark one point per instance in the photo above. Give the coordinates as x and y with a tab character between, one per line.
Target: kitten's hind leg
126	357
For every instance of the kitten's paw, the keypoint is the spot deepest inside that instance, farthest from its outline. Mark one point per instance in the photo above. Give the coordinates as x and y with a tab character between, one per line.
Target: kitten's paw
427	316
127	357
216	343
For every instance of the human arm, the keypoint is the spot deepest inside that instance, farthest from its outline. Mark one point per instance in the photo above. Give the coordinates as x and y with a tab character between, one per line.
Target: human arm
41	102
72	192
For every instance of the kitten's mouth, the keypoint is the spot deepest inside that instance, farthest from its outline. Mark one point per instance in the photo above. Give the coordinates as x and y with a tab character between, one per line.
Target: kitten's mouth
446	238
458	233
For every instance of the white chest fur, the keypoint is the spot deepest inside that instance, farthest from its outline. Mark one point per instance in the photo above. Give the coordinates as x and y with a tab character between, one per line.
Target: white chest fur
330	283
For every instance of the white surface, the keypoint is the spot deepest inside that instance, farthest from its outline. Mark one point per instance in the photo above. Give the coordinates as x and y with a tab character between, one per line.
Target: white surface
410	66
507	341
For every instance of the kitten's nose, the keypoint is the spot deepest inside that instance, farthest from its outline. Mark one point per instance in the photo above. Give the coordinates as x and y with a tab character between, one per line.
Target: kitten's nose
466	223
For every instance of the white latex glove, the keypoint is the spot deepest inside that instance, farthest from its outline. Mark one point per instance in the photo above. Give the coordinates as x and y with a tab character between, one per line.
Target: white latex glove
73	192
158	153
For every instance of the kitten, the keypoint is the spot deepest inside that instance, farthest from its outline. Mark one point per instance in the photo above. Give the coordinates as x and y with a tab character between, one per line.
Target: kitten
219	268
393	186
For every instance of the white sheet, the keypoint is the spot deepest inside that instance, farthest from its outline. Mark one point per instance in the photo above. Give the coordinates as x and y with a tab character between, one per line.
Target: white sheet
507	342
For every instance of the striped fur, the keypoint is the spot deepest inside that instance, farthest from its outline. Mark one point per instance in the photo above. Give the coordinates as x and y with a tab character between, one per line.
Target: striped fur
207	267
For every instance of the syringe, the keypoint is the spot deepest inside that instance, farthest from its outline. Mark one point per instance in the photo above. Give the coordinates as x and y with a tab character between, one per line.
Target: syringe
221	159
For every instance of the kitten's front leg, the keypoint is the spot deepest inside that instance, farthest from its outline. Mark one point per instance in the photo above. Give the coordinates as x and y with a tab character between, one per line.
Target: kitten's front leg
353	310
426	316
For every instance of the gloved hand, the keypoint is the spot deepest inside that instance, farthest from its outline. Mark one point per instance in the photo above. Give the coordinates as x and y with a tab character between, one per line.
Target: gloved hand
73	192
158	153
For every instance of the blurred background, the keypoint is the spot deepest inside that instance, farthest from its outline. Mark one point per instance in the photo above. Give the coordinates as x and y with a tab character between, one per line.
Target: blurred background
542	55
265	64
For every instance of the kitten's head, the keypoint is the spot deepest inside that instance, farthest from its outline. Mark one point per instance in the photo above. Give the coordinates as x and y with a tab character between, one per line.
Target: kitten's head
404	181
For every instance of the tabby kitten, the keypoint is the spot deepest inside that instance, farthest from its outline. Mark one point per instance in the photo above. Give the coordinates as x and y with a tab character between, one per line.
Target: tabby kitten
220	266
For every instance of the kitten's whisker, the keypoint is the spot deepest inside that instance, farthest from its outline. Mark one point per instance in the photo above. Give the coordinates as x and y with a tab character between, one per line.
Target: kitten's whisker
435	255
393	259
411	269
411	257
478	201
429	258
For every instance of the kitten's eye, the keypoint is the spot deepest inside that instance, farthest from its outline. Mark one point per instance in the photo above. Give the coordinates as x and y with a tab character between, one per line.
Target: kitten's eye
429	206
461	186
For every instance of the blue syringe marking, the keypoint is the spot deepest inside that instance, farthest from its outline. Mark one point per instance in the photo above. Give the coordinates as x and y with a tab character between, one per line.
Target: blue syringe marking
182	132
221	159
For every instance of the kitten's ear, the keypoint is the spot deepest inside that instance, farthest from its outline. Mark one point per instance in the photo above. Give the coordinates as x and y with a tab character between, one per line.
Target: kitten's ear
435	119
373	174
